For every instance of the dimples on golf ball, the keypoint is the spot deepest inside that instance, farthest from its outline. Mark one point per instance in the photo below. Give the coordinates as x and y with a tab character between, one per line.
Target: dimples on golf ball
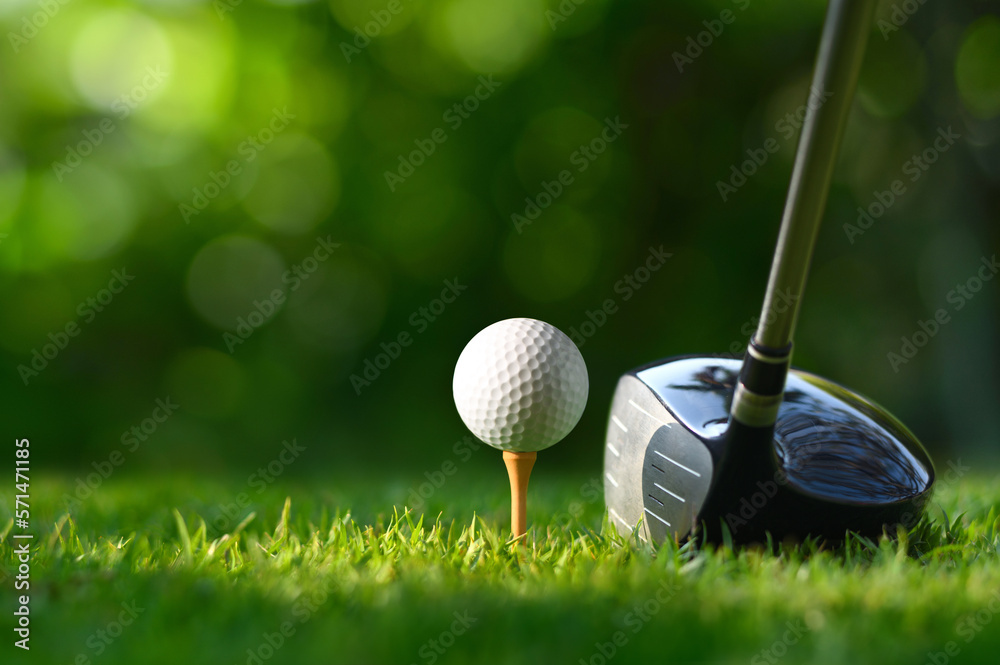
520	385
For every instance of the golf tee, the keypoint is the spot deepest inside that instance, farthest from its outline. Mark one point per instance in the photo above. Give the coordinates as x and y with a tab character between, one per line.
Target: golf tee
519	470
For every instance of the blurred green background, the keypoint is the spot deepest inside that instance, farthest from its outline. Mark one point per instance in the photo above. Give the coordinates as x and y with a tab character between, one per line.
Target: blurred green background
205	147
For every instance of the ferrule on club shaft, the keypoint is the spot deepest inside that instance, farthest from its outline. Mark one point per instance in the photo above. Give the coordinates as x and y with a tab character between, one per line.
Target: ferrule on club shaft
761	385
519	467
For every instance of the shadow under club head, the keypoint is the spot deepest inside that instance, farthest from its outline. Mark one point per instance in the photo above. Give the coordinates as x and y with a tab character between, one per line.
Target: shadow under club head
835	461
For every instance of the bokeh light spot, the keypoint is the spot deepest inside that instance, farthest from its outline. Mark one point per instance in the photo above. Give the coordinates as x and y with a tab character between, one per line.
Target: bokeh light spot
34	307
90	214
297	185
892	76
205	382
372	18
119	56
341	306
198	89
322	100
12	181
433	230
563	139
977	68
494	36
554	257
229	275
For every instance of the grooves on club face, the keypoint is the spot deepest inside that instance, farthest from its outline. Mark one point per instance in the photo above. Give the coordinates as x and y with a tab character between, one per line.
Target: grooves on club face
834	461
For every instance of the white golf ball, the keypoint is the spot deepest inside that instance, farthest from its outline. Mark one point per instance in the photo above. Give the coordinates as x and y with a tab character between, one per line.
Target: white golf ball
521	385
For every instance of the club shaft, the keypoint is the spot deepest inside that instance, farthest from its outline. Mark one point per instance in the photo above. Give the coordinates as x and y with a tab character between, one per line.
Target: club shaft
841	50
761	385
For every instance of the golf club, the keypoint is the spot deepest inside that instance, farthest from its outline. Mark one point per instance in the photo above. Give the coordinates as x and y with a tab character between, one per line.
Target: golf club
706	445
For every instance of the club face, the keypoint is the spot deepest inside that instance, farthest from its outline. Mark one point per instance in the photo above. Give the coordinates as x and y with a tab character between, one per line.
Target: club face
656	471
842	461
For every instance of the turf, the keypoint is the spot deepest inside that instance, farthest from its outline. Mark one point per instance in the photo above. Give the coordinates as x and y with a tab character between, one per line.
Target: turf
350	579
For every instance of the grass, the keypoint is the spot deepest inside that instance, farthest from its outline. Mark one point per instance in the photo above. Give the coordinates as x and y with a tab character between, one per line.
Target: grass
379	585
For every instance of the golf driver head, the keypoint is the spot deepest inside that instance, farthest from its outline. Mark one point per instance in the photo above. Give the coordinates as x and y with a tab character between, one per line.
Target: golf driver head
834	461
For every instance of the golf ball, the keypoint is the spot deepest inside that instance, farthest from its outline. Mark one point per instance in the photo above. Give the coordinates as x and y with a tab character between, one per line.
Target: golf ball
520	385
